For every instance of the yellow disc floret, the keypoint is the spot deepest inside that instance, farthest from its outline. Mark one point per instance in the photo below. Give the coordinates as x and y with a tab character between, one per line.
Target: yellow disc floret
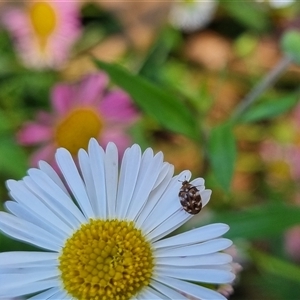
43	19
105	260
75	130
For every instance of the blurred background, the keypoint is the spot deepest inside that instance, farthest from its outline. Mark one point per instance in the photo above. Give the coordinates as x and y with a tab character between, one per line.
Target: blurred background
174	76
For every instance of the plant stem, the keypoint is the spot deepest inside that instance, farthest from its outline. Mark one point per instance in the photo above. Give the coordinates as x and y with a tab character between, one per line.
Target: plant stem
266	82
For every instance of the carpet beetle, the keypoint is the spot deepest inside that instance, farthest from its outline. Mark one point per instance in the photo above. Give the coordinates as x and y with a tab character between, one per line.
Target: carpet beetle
190	198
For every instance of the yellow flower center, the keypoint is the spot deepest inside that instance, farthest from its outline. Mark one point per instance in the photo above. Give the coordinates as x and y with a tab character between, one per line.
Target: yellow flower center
105	260
43	19
77	128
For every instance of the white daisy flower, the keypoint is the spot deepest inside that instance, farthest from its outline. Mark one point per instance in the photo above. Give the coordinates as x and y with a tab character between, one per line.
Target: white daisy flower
191	15
108	243
278	3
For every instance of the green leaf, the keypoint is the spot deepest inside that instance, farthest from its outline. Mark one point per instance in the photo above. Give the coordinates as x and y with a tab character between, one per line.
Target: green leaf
222	154
290	43
270	109
13	160
276	266
5	121
260	222
248	13
169	111
158	54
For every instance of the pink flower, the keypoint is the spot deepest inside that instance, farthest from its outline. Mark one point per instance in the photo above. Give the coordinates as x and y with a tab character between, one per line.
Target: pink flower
43	31
80	112
273	152
292	243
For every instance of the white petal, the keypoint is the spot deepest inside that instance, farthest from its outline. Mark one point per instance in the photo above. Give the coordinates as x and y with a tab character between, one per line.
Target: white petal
209	259
225	267
85	167
14	258
46	168
167	205
33	217
127	180
40	265
165	290
111	177
32	269
191	289
208	247
59	295
197	235
163	173
75	182
45	295
167	171
38	202
25	277
198	183
148	174
150	293
54	197
169	225
96	156
200	275
205	196
28	232
28	288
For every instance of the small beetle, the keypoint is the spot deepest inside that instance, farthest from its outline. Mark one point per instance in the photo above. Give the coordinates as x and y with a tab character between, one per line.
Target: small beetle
190	198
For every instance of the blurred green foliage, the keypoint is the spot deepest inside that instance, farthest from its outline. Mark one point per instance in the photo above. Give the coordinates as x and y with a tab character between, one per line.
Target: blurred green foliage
172	113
